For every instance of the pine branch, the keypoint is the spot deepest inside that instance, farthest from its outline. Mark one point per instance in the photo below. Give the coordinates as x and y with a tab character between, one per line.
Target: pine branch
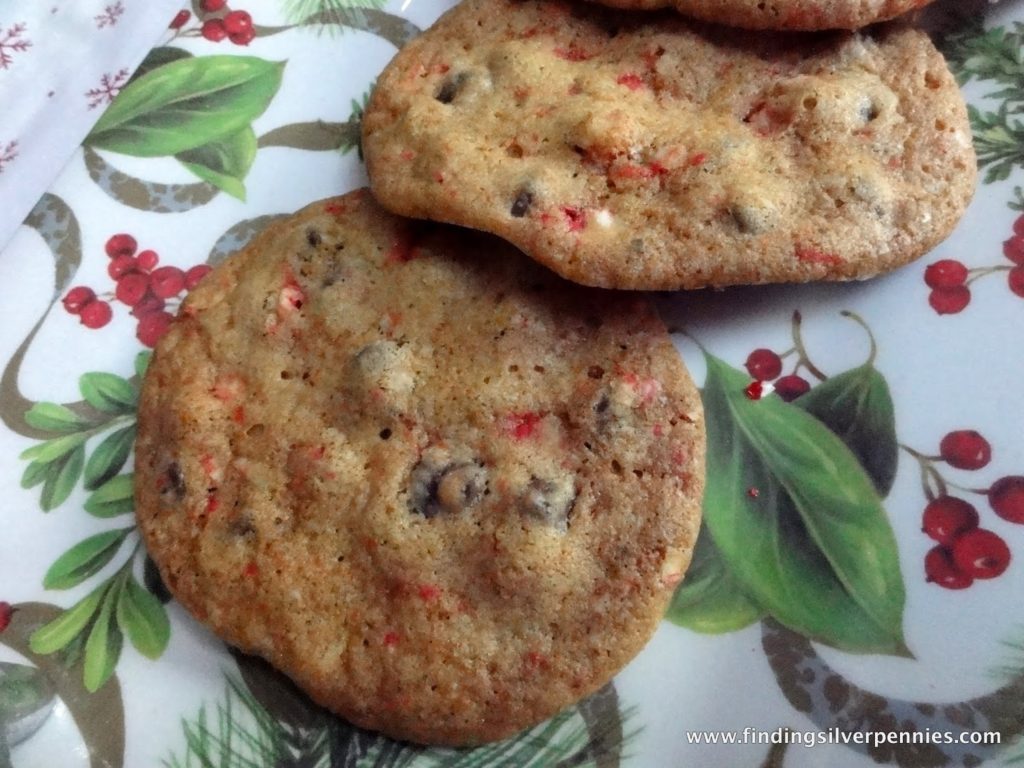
325	15
993	55
998	142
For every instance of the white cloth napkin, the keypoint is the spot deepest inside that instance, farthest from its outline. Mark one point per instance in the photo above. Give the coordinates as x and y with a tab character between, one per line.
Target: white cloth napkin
61	64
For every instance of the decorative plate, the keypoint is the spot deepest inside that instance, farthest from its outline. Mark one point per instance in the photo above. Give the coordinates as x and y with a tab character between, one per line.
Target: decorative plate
856	592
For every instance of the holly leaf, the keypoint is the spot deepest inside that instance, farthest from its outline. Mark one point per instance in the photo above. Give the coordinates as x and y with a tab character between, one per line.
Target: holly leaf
103	648
108	393
187	103
157	57
857	407
52	417
813	546
142	363
225	162
109	456
84	559
710	600
61	477
58	634
143	619
115	497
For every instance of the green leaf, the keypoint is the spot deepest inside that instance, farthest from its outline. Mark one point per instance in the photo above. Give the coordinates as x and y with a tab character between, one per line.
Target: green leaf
103	648
109	456
52	417
35	473
84	559
58	633
710	600
813	546
857	407
115	497
143	619
61	479
186	104
157	57
225	162
142	363
46	452
108	393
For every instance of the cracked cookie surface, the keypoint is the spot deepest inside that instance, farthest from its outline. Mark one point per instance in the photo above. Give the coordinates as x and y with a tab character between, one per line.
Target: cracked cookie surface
444	490
639	150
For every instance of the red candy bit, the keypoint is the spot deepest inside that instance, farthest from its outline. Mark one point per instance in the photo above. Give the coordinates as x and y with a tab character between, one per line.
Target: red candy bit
209	465
335	209
429	592
535	660
406	154
754	390
238	415
753	492
439	177
522	425
212	503
813	255
631	80
291	297
391	639
572	53
403	247
6	612
251	570
575	218
658	430
698	158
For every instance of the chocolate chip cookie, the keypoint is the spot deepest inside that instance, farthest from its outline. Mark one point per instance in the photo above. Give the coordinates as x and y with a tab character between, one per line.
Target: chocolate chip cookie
639	150
783	14
444	490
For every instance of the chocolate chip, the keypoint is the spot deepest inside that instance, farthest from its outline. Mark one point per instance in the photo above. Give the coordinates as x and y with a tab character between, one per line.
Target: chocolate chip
313	238
242	525
549	501
437	486
450	88
522	203
173	482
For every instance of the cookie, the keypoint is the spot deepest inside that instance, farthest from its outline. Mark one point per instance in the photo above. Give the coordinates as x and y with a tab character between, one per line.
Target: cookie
783	14
445	491
644	151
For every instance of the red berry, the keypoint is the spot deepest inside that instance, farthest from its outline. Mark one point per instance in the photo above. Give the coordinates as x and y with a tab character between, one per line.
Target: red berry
947	517
131	288
1013	249
243	38
1007	498
965	449
167	282
211	6
949	301
940	569
120	266
180	20
764	365
148	260
121	245
213	30
152	327
96	314
148	305
981	554
77	298
5	614
947	273
1018	225
238	22
194	275
789	388
1016	280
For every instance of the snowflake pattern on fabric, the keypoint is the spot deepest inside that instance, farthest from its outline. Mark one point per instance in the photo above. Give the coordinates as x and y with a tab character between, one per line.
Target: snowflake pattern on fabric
13	41
7	154
109	87
110	15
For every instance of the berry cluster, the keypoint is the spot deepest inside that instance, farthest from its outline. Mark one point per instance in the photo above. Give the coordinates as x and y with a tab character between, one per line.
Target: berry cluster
964	551
950	280
139	284
765	367
218	23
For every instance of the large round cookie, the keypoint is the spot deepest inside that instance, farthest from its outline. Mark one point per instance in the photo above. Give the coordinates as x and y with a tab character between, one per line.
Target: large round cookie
783	14
445	491
643	151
